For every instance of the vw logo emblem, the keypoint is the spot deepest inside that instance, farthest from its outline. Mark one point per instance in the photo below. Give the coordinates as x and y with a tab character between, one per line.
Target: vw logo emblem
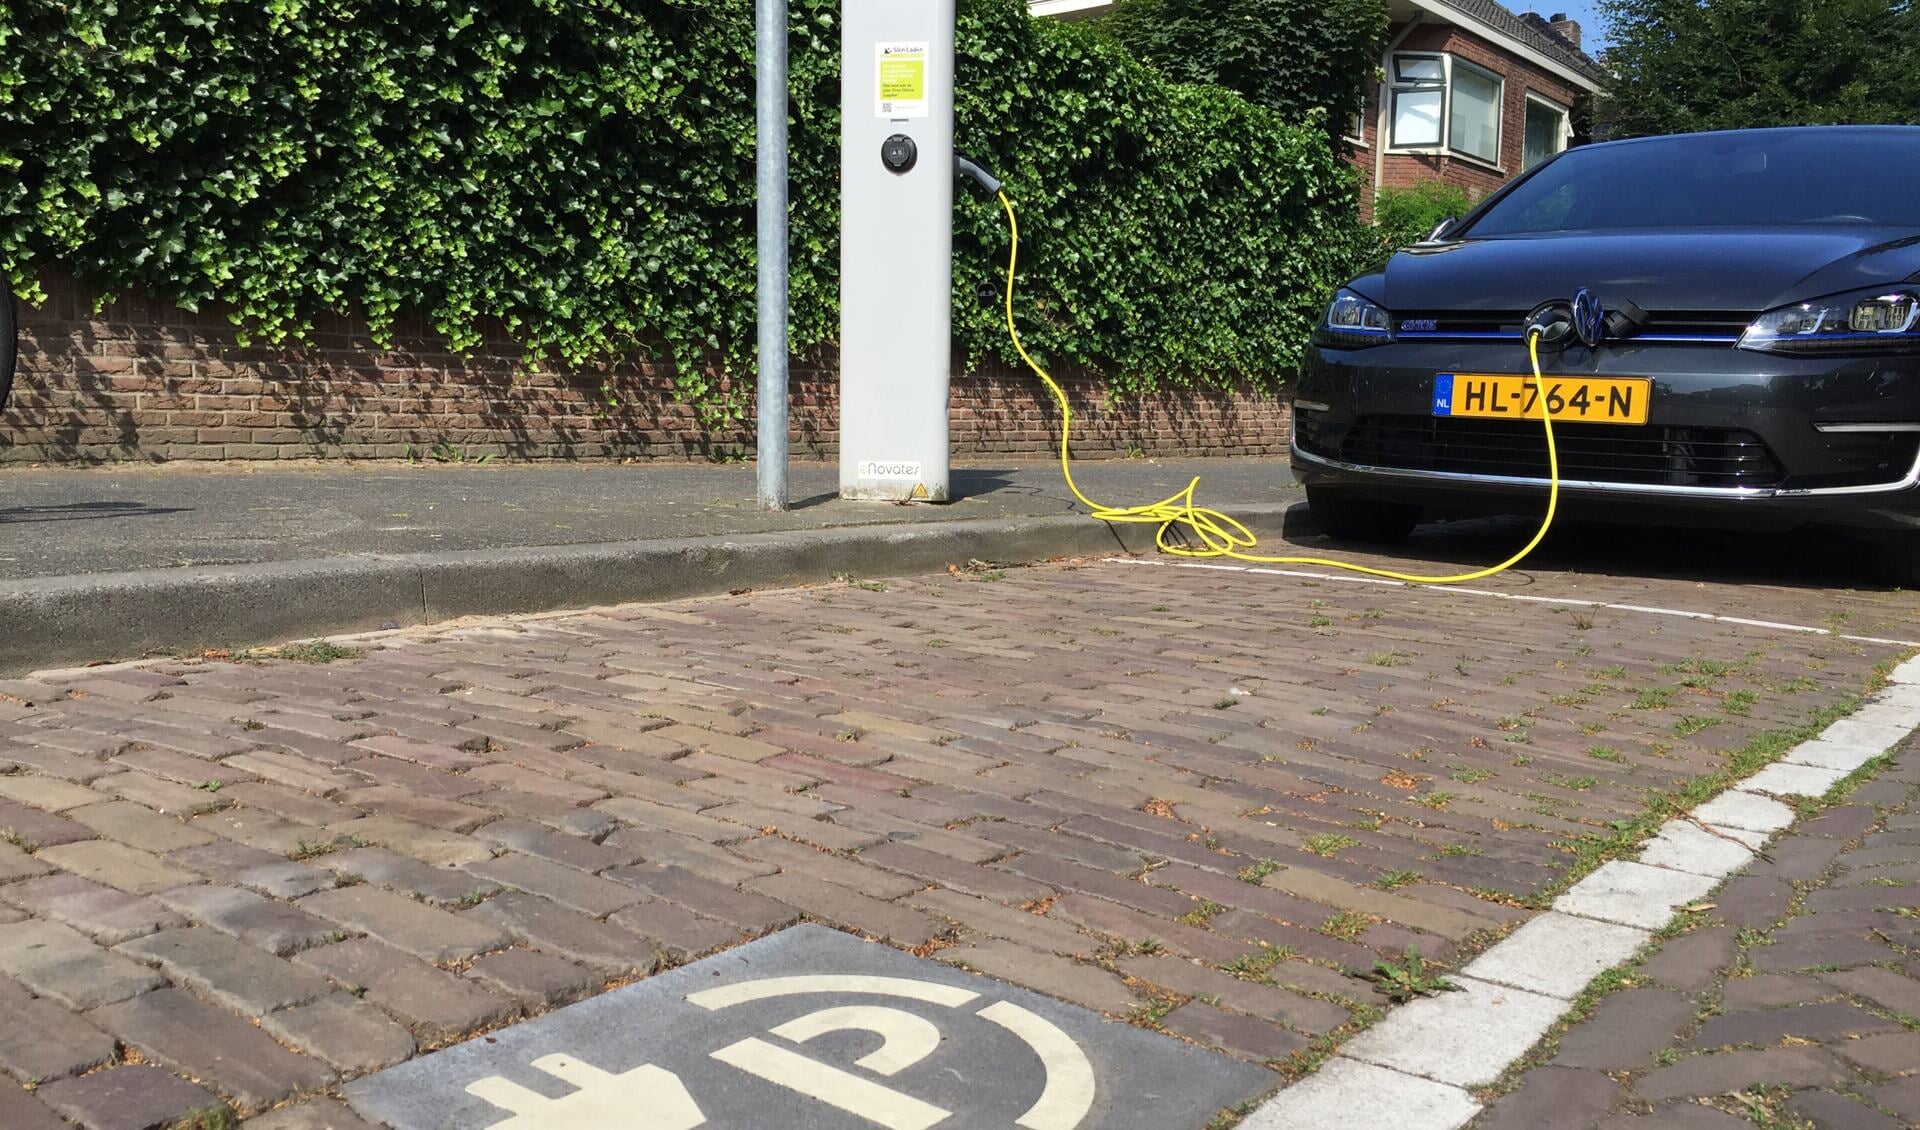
1589	320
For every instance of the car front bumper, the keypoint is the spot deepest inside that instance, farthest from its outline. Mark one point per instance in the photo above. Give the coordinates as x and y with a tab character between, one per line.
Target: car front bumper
1734	437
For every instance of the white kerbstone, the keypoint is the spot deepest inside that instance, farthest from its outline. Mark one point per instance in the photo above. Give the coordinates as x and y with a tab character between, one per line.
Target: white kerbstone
1782	779
1557	954
1633	894
1466	1038
1346	1092
1685	846
1738	808
1882	729
1825	753
1908	673
1894	710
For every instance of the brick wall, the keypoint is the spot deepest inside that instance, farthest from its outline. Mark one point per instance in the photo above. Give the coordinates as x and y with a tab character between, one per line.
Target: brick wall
1399	170
143	381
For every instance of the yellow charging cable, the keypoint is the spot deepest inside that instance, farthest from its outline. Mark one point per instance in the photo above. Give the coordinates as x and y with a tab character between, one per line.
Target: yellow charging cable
1221	535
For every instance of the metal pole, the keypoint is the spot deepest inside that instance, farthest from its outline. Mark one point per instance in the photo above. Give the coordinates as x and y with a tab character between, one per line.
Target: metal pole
770	60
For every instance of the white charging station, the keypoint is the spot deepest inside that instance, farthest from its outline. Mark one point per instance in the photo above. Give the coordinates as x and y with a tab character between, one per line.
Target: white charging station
896	248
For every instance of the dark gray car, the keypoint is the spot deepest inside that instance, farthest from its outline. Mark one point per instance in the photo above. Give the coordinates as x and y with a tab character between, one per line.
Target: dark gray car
1732	338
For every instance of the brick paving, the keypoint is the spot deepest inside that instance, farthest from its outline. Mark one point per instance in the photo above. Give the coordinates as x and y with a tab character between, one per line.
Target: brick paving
1793	1004
1194	800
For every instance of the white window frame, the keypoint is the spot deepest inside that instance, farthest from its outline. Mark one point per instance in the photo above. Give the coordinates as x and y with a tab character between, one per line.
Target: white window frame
1566	126
1355	132
1395	86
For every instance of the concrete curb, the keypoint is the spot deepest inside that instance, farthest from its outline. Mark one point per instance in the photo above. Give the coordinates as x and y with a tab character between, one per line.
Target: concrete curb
1415	1069
71	621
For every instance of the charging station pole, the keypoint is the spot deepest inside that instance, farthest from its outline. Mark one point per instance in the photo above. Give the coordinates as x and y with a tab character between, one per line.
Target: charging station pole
770	206
896	248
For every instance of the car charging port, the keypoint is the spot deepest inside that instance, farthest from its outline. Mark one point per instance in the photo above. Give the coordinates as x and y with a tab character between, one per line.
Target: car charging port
1552	321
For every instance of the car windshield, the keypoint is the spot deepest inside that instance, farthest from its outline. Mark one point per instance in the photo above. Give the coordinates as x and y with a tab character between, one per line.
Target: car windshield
1761	179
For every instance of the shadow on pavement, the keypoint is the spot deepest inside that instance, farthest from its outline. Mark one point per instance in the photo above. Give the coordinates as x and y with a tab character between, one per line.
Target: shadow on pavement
85	511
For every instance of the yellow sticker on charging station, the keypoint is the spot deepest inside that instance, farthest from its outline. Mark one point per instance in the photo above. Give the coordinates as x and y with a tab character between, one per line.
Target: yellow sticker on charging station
901	71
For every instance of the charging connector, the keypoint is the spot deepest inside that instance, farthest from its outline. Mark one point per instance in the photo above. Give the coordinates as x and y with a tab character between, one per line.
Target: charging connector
965	166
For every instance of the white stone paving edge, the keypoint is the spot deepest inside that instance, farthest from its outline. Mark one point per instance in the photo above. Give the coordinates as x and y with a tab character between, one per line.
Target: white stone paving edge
1411	1070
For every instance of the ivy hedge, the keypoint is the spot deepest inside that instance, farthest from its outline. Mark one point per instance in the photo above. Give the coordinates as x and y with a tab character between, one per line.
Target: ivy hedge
582	170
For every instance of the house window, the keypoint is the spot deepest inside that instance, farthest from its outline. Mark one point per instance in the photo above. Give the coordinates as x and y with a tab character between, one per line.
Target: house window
1440	102
1476	112
1546	131
1419	95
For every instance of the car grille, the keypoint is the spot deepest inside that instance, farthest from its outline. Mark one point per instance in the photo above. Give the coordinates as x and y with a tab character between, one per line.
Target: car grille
1867	458
1646	456
1707	326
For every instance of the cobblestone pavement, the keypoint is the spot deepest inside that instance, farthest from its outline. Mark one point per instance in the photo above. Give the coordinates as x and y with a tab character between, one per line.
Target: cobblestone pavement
1793	1003
1189	798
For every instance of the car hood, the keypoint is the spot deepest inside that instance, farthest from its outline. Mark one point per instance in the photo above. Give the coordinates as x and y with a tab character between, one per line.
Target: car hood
1715	270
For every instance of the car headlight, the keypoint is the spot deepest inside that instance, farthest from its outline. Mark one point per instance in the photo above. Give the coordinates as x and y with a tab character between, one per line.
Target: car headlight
1861	321
1352	322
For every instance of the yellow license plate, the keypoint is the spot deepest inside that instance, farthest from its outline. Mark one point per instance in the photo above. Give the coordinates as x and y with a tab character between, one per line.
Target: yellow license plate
1503	396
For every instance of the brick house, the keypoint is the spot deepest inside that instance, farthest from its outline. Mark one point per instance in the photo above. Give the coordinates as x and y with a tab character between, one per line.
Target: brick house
1468	92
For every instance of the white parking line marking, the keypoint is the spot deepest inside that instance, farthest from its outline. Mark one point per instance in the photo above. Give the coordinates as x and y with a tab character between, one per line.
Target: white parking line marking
1567	601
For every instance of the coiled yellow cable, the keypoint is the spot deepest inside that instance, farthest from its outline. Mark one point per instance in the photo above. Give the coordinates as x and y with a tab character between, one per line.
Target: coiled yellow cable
1221	535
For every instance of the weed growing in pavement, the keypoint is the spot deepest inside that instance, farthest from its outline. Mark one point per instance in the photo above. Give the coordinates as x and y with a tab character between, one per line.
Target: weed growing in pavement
304	850
210	786
1319	621
1412	976
1434	800
1254	872
1603	753
1257	967
978	570
1472	776
1652	698
1763	1104
1388	658
1229	1117
1688	725
1325	844
1150	1015
217	1117
1582	619
1202	914
1345	925
1739	702
1127	947
1394	880
314	651
1453	851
